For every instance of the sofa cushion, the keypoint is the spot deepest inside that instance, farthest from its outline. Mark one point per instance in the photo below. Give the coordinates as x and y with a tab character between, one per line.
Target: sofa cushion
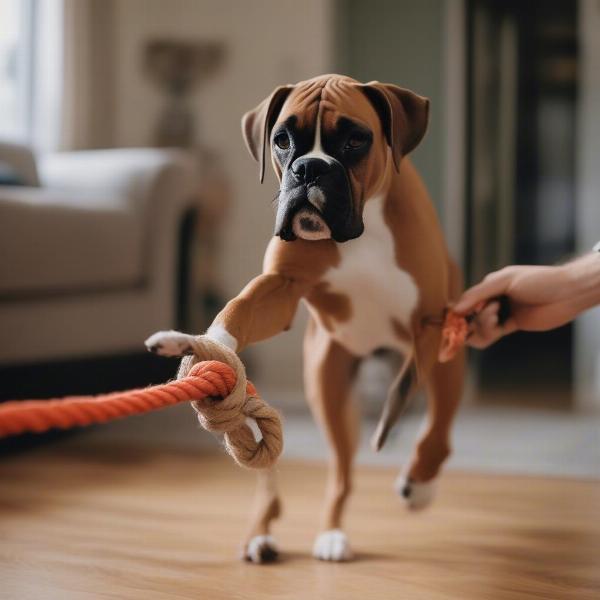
55	242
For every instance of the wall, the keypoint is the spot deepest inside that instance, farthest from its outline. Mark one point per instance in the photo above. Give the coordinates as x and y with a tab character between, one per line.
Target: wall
268	43
587	340
401	42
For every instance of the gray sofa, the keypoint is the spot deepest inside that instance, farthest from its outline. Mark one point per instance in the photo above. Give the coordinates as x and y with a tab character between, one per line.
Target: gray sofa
89	246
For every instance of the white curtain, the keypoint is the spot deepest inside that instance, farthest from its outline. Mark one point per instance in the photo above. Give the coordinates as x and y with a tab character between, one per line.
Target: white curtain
88	107
587	341
72	75
47	75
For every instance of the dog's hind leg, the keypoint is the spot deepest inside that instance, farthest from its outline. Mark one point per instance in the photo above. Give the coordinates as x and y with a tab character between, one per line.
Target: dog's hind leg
444	391
260	546
328	373
444	386
399	395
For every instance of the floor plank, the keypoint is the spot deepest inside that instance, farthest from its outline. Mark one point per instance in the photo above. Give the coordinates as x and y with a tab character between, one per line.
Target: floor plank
79	520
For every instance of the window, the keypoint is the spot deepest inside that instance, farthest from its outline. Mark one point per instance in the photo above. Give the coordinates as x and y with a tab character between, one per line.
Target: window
16	72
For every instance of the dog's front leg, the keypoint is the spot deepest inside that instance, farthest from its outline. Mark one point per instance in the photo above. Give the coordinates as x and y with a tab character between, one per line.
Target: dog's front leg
265	307
329	370
259	545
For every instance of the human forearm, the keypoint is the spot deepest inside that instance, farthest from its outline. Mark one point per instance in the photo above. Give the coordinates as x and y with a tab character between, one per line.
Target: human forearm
540	298
583	282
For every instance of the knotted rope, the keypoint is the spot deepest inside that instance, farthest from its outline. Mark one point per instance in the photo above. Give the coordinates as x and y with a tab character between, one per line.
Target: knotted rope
229	415
218	390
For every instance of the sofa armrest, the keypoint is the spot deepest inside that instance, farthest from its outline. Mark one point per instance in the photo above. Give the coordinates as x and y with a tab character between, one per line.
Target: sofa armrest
155	187
158	186
140	176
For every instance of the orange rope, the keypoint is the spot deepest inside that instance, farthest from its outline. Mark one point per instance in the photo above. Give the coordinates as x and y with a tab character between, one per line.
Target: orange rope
208	379
455	331
454	336
219	393
218	390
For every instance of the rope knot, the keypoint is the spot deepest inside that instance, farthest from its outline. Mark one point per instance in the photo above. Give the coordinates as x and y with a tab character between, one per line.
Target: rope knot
228	400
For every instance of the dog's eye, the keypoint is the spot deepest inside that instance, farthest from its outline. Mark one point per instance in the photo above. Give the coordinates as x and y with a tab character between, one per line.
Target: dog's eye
282	140
355	141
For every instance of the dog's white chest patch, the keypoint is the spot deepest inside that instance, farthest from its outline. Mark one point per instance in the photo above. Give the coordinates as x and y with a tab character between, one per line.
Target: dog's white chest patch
378	290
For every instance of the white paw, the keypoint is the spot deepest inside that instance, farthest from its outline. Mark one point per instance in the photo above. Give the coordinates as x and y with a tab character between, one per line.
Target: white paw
170	343
416	495
332	545
261	549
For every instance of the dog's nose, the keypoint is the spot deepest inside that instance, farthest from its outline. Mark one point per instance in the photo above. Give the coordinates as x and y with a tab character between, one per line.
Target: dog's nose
307	169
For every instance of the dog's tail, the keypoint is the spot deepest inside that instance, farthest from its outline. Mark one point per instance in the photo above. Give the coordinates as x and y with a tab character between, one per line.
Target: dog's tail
400	393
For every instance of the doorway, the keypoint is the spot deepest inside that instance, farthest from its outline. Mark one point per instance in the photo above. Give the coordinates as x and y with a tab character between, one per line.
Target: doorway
521	123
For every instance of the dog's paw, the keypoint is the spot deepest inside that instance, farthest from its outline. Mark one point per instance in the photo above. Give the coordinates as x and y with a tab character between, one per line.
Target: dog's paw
416	495
260	549
169	343
332	545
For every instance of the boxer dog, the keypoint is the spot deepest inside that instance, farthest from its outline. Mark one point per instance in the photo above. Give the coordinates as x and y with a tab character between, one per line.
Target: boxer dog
358	240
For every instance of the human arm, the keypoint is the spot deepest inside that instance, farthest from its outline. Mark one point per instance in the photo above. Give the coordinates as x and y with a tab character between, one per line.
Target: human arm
540	298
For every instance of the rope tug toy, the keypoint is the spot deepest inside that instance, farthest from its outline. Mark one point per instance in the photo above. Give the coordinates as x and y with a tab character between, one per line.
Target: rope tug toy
455	332
213	380
456	329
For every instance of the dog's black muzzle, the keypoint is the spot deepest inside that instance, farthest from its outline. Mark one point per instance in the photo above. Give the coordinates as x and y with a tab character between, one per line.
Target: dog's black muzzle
318	187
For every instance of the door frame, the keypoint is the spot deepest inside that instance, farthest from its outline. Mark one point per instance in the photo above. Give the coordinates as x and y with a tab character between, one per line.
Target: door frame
455	128
587	327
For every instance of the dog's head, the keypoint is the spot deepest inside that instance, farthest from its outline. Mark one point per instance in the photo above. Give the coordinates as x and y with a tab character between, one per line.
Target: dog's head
333	142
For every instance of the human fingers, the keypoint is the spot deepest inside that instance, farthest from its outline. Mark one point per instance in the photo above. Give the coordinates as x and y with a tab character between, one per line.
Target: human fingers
483	326
487	328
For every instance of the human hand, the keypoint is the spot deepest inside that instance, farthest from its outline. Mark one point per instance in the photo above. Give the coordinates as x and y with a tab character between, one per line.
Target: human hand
540	298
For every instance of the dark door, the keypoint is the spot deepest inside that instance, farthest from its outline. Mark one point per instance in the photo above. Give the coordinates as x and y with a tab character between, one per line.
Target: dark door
522	74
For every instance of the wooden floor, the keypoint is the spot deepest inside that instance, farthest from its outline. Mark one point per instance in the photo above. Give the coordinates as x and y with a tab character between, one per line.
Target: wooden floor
80	521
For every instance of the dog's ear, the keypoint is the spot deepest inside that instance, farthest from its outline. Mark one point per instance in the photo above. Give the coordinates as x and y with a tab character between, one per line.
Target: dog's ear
404	116
257	125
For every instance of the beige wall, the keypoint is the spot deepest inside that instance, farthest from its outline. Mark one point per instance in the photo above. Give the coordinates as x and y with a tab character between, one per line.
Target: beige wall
587	341
401	42
269	42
